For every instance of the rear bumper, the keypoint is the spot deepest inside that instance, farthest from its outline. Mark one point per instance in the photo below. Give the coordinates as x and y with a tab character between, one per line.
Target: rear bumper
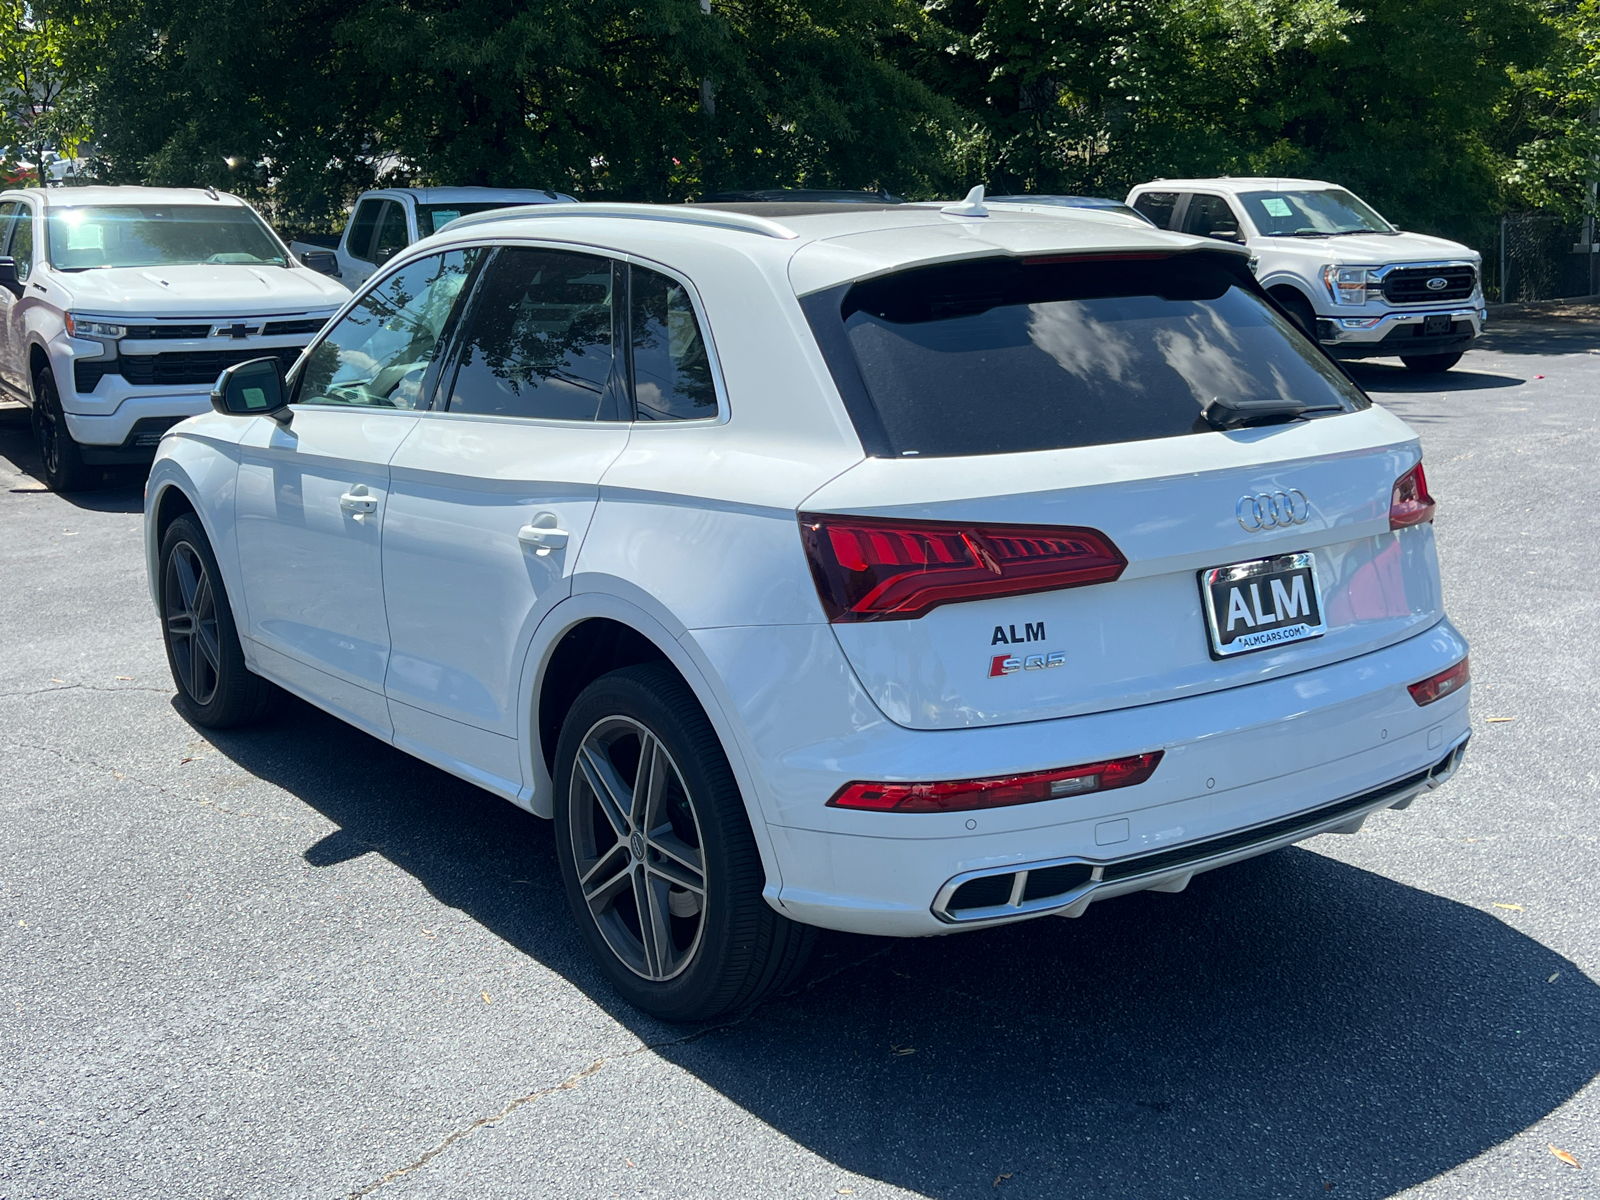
1318	749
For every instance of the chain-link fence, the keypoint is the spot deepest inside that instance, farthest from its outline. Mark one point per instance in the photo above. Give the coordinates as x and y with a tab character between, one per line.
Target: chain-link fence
1543	257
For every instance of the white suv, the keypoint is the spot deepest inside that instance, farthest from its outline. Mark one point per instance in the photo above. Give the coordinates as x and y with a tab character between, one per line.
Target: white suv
895	569
120	306
1361	287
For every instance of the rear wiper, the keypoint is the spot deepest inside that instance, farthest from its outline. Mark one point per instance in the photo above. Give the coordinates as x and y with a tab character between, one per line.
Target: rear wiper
1224	412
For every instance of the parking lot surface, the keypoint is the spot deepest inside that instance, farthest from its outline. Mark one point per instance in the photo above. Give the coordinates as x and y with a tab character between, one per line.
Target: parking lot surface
295	962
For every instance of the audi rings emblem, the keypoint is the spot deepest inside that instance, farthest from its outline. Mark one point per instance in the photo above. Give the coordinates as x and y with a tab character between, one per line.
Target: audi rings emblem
1273	510
1438	283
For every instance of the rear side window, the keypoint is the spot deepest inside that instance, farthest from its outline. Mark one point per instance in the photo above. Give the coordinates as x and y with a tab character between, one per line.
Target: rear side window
1158	207
671	371
392	236
537	341
1005	355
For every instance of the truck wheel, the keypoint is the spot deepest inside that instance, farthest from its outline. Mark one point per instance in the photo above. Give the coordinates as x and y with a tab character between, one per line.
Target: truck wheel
1430	364
64	468
1300	310
215	688
660	866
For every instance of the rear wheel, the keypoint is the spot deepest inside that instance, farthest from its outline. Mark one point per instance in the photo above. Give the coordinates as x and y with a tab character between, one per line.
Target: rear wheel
64	468
660	866
215	688
1428	364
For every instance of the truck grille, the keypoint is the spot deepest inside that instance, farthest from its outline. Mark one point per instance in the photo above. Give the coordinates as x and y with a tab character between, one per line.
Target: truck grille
175	368
147	333
1409	285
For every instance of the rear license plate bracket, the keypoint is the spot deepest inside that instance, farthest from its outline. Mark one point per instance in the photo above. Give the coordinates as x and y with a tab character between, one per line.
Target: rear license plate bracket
1262	604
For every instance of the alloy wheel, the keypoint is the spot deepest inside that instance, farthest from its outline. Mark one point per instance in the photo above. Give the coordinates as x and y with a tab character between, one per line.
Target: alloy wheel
47	429
189	606
638	848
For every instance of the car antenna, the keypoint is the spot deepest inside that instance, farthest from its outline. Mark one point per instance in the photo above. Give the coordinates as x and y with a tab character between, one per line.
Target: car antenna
972	206
212	192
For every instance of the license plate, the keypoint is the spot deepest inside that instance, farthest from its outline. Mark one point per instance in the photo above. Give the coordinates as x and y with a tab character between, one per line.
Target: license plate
1261	604
1435	325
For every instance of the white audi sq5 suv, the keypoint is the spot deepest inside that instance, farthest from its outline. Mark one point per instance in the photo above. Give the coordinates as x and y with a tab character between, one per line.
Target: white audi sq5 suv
899	569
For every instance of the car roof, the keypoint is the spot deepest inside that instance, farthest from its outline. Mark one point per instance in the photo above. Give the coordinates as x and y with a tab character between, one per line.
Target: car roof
1238	183
823	245
74	197
475	195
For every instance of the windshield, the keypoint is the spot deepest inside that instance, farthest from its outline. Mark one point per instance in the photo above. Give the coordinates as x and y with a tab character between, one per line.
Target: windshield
158	235
1004	355
1325	213
431	218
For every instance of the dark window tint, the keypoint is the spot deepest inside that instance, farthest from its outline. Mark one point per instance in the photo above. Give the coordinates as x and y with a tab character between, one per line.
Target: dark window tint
1210	215
1000	356
20	247
392	236
538	339
381	353
671	372
362	226
1158	207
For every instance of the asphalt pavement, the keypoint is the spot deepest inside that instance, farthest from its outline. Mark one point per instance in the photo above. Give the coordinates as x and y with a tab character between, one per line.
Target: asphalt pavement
294	962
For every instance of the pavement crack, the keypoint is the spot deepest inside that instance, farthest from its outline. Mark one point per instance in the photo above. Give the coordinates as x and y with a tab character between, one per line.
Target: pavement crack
83	687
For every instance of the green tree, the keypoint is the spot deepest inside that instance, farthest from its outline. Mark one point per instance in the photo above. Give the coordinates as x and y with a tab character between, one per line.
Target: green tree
44	93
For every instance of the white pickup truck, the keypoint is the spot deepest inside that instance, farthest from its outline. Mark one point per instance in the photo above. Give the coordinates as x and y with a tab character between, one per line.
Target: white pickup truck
1361	287
120	306
388	220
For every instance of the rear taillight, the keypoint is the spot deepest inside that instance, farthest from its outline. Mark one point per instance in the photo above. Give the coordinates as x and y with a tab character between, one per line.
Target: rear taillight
1000	791
1437	687
870	569
1410	503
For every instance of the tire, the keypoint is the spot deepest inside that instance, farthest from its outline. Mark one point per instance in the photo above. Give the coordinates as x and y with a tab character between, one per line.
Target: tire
1431	364
1300	311
64	468
688	861
215	688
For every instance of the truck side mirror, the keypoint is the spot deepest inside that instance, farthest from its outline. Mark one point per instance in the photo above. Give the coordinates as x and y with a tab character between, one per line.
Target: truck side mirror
1226	235
8	277
252	389
324	262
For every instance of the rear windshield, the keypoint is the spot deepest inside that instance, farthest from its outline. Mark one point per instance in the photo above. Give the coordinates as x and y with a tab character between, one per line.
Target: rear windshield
1006	355
158	235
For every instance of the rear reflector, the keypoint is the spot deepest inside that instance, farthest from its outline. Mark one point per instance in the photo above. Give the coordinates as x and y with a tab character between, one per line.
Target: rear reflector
1410	503
1437	687
999	791
870	569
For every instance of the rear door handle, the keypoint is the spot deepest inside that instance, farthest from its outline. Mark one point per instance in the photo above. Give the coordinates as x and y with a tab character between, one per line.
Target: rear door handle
357	500
543	533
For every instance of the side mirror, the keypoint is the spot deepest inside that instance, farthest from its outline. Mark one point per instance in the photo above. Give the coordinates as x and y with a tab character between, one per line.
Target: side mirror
252	389
8	277
324	262
385	254
1226	235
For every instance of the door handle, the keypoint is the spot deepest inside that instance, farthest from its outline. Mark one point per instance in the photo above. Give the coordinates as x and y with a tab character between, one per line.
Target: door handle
543	533
358	500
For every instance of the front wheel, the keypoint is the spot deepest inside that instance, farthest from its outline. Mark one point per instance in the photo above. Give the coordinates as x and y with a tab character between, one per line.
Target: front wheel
64	468
215	687
1430	364
656	852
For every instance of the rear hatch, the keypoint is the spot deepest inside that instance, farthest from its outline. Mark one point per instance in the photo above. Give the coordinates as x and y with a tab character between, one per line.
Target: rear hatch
1127	435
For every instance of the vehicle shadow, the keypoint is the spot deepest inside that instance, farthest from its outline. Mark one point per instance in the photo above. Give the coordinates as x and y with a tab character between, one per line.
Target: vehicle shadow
121	490
1381	377
1289	1026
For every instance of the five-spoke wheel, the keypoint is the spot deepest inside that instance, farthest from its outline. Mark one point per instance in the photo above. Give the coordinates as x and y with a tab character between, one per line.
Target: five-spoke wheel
189	608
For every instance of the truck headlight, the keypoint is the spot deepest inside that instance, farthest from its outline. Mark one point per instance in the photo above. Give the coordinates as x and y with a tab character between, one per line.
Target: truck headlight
1350	285
90	327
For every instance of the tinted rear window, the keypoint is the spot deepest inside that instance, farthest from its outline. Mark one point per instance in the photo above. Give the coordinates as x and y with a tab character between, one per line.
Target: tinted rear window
1000	356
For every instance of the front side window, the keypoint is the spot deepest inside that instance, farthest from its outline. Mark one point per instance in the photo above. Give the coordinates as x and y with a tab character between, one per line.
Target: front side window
381	352
1210	216
538	339
1004	355
1327	212
91	236
362	226
1157	206
671	370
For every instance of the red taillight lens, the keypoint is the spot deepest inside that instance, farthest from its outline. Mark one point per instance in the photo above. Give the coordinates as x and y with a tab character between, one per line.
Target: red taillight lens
1437	687
1410	503
869	569
1000	791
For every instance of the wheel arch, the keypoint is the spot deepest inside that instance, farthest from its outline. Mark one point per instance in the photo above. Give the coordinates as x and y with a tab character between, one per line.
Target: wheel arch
38	360
591	633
